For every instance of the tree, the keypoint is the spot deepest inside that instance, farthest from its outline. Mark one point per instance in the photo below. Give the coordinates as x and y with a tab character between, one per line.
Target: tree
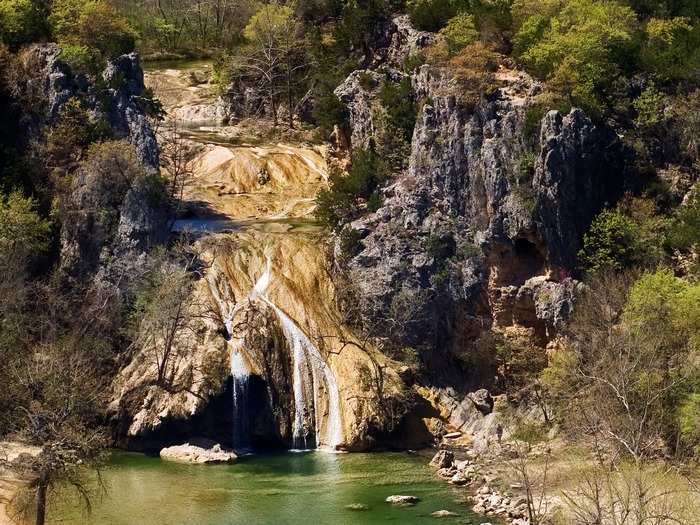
671	47
579	48
59	395
94	24
274	57
460	31
22	21
167	313
631	356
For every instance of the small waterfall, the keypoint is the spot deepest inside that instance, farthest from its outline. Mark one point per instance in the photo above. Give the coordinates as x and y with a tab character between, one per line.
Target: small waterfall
240	373
307	363
240	377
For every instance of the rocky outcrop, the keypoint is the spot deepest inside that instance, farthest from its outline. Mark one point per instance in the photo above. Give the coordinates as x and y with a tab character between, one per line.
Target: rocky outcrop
483	228
124	106
118	97
393	41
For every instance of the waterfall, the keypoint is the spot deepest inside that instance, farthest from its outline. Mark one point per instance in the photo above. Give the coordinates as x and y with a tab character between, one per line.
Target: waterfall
307	364
310	372
240	377
240	372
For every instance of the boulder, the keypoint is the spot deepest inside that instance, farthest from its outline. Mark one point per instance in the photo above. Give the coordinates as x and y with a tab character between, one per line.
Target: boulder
402	500
482	401
196	455
443	514
442	459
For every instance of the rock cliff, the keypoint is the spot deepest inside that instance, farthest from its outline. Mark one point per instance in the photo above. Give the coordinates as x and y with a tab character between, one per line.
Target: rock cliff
482	230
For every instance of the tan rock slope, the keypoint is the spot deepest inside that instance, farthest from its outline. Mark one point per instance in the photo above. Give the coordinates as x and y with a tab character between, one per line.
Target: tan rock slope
300	377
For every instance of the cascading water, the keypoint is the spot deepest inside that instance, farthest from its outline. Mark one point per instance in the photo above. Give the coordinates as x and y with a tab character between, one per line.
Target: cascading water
240	377
308	365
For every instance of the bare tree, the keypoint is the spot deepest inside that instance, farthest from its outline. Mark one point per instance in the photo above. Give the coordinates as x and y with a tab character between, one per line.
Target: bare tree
535	482
177	162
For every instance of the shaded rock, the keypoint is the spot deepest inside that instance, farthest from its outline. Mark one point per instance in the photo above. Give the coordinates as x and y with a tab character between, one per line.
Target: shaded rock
482	400
197	455
402	500
443	459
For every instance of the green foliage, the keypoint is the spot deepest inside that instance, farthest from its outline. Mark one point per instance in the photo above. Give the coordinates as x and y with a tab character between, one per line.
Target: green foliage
459	32
79	58
413	62
440	247
72	132
431	15
526	167
671	47
684	233
344	200
623	238
689	421
686	111
580	49
22	230
398	101
328	111
350	242
93	24
270	19
649	106
22	21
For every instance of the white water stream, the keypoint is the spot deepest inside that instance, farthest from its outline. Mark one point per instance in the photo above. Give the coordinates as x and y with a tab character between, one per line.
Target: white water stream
306	362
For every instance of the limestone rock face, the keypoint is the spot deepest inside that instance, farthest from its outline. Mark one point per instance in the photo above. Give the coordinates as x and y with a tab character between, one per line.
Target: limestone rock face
471	236
125	112
121	102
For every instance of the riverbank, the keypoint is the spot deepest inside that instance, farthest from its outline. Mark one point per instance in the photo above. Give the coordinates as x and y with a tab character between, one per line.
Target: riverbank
554	481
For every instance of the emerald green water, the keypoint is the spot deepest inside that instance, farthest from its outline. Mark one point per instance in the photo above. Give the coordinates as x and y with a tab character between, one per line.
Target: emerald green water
309	488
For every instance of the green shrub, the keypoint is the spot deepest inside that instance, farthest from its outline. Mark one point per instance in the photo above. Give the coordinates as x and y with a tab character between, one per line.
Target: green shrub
398	101
459	32
431	15
649	106
671	47
689	422
350	242
79	58
94	24
609	243
413	62
630	235
684	233
440	247
526	167
341	202
22	21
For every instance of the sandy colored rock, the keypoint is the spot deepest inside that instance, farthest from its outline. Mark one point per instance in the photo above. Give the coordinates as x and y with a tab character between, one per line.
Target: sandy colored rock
402	500
196	455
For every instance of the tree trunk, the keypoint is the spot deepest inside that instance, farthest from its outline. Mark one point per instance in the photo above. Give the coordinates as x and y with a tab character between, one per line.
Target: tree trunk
41	499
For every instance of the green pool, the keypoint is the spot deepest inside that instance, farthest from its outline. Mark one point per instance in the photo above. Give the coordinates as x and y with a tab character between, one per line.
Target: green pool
305	488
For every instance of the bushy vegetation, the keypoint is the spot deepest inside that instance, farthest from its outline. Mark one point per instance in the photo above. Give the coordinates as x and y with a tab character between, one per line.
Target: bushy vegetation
352	192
